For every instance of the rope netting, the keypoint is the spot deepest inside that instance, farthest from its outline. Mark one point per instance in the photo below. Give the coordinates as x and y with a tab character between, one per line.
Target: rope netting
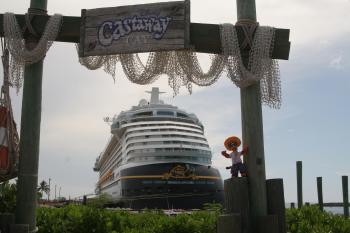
182	67
20	55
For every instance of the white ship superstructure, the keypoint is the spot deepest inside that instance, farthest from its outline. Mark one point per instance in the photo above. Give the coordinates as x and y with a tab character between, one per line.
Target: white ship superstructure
157	152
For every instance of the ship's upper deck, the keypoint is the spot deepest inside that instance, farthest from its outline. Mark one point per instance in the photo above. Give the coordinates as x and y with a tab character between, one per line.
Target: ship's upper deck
153	110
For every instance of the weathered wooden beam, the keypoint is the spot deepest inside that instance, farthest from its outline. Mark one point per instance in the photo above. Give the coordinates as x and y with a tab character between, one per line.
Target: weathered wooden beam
229	223
319	193
267	224
237	200
253	133
345	196
300	183
69	32
26	198
19	228
276	202
205	38
6	219
292	205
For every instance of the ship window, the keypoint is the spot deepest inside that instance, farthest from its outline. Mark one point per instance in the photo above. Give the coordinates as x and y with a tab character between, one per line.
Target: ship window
143	114
165	113
179	114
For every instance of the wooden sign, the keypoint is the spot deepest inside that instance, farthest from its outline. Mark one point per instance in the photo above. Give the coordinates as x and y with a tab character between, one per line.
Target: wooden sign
135	29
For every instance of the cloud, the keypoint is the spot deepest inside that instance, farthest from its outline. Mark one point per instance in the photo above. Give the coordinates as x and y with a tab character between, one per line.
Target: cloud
337	63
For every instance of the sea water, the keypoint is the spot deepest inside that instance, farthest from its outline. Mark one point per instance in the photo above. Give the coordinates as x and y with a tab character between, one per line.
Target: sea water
333	210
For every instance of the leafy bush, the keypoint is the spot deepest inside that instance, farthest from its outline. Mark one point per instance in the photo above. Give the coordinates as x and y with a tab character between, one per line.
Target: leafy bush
310	219
100	201
217	207
8	190
77	219
8	197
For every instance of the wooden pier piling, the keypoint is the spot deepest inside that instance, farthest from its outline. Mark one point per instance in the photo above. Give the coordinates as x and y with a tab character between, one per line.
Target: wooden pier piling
292	205
276	203
319	193
345	196
300	183
237	200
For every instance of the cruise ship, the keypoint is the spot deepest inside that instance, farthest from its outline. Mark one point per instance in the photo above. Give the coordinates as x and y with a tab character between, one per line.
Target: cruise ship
158	157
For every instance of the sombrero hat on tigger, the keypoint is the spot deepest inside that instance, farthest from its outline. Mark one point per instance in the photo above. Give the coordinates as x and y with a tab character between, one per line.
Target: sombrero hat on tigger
232	142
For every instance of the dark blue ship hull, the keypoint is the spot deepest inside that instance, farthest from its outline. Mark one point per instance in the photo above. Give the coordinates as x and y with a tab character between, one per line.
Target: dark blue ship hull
170	185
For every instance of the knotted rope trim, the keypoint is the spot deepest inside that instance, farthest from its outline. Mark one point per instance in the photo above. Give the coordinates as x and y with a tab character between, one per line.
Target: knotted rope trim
183	68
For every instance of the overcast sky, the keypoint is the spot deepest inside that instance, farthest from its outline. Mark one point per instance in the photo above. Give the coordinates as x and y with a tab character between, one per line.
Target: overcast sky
312	125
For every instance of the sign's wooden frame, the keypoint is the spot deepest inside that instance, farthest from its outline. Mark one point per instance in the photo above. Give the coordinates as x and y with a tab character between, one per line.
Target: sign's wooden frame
134	29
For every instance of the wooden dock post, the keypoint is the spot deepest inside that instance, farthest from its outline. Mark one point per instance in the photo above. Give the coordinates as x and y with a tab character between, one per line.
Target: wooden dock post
319	193
276	203
300	183
6	219
30	135
237	200
252	131
229	223
20	228
345	196
292	205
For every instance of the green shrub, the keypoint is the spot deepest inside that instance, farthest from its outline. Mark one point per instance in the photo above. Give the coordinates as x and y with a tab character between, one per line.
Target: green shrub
77	219
8	197
86	219
310	219
100	201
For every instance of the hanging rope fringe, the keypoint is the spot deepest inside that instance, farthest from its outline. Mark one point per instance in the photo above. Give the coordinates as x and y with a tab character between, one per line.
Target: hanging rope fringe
260	66
183	68
20	55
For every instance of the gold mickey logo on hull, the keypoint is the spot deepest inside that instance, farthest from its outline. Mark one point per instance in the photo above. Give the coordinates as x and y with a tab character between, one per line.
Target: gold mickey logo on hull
180	172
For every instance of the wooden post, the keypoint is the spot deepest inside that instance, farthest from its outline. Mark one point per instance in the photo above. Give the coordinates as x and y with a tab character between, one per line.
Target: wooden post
20	228
237	200
6	220
300	183
345	196
276	203
252	130
229	223
30	135
319	193
267	224
292	205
